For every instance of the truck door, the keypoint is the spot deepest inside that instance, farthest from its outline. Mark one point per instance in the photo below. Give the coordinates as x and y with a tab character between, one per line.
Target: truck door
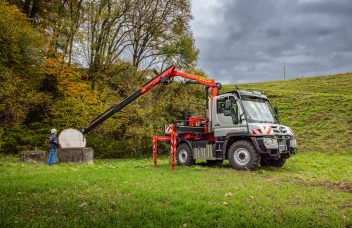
224	124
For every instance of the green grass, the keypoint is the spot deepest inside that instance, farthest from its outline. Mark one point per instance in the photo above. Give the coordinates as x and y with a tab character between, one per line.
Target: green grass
310	190
314	188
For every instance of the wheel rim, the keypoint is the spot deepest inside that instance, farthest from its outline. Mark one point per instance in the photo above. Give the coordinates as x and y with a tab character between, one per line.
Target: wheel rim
241	156
182	156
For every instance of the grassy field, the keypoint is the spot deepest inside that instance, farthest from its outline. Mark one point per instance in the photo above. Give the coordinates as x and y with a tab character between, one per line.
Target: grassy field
310	190
314	188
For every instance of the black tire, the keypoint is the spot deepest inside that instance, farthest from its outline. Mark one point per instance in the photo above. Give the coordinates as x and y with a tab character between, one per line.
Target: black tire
215	162
184	155
243	156
273	162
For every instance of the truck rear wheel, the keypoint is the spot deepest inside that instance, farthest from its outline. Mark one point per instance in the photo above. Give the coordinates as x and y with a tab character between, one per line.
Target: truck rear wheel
184	155
272	162
242	155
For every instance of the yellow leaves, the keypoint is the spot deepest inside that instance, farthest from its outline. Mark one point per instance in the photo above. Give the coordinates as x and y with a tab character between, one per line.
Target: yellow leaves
20	44
77	103
18	96
68	78
229	194
82	205
77	89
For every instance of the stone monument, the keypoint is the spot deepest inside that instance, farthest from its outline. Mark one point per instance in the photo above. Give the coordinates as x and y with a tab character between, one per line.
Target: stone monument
73	147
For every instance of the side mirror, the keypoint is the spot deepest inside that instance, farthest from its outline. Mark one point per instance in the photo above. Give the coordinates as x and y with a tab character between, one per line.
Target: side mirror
276	110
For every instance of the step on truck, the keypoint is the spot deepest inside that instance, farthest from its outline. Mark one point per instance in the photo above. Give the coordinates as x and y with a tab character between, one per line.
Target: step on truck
239	126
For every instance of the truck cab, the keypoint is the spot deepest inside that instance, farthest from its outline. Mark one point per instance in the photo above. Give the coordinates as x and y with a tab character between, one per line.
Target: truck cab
243	128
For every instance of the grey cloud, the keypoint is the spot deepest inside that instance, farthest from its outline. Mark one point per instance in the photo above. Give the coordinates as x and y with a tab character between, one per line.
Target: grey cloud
253	39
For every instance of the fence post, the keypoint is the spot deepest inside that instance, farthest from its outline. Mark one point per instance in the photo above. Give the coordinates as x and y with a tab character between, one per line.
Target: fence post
173	146
155	145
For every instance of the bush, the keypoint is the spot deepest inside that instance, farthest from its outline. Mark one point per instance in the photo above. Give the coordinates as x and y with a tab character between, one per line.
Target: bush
21	138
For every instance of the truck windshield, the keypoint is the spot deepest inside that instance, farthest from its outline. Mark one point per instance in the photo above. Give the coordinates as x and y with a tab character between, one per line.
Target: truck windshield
258	110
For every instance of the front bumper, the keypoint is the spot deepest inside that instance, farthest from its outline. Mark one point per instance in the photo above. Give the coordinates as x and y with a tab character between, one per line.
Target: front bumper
285	146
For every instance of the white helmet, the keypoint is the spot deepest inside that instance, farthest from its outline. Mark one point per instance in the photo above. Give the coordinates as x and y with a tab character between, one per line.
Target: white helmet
53	131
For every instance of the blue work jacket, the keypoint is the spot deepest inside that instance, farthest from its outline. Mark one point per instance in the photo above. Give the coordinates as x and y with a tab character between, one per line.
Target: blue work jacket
54	143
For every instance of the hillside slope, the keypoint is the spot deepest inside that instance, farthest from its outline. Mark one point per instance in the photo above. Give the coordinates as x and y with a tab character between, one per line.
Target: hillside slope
318	109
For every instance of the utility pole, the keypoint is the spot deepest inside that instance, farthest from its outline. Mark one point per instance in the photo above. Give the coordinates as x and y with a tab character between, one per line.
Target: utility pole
284	72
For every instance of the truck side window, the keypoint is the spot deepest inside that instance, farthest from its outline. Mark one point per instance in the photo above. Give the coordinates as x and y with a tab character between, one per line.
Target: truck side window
220	105
234	105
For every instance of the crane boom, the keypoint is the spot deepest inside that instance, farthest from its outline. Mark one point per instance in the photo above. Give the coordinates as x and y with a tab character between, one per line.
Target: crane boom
161	78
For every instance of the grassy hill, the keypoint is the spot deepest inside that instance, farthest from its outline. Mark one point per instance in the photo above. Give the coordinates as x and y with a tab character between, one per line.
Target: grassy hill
314	188
318	109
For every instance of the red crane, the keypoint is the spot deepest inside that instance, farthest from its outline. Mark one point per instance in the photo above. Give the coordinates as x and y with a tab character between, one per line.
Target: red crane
211	88
163	78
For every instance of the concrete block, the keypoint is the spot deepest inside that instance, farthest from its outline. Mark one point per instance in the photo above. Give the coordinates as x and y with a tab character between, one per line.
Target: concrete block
76	155
32	156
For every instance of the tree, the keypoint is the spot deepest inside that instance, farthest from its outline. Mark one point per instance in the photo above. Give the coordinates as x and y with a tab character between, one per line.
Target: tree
21	55
59	19
105	34
155	26
21	58
181	51
75	102
31	8
70	16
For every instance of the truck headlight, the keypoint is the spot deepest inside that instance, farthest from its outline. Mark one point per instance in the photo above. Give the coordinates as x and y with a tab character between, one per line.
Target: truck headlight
293	143
270	143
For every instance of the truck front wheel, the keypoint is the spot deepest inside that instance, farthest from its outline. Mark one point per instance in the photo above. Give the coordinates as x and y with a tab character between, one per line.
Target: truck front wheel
184	155
242	155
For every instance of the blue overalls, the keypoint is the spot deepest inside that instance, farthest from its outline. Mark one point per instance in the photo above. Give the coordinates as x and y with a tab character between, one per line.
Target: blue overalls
54	143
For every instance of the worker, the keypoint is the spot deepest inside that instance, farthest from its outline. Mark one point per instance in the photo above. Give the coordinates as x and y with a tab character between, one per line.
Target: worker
54	144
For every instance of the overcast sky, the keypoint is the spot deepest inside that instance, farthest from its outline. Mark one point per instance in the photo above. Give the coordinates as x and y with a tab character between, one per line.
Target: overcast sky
252	40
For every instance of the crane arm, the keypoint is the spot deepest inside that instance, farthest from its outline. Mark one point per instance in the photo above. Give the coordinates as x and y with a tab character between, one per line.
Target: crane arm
164	77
